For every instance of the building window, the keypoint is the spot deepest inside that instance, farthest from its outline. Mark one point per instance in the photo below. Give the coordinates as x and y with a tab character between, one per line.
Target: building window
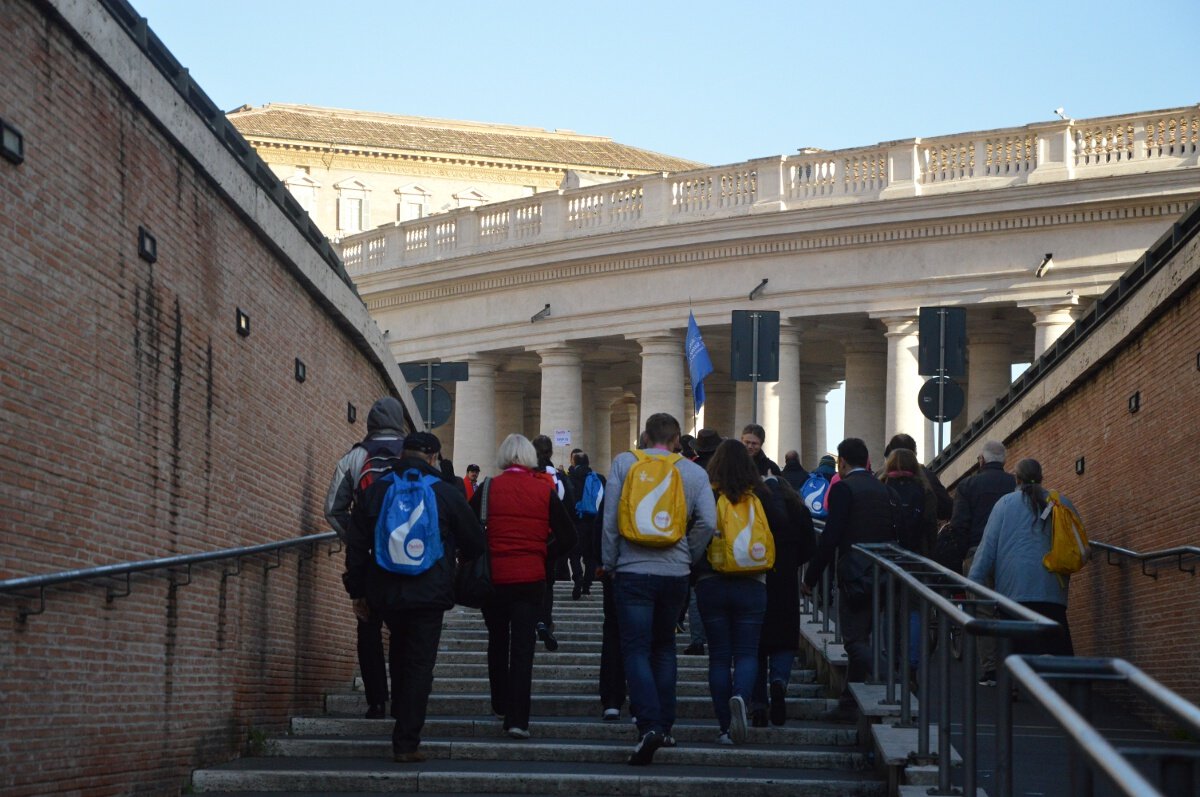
304	189
470	198
412	202
353	207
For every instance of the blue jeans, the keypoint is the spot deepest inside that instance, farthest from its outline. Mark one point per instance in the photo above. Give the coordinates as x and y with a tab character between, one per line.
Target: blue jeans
733	608
647	608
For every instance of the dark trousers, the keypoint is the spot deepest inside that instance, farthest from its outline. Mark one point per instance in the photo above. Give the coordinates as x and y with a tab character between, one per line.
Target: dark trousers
855	622
511	618
555	569
612	669
411	655
1056	644
370	659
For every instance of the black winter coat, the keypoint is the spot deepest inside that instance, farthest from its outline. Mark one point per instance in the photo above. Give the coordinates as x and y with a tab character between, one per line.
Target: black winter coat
462	537
794	544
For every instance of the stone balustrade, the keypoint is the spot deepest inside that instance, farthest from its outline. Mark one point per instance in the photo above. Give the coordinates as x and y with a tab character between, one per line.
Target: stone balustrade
1036	153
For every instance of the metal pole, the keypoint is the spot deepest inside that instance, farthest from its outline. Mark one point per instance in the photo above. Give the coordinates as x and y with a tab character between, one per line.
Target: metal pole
754	367
875	647
923	685
970	741
1004	758
890	624
1080	694
905	657
429	396
941	413
944	704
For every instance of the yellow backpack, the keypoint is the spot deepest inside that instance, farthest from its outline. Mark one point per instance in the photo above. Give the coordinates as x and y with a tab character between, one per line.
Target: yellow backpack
653	509
743	542
1068	541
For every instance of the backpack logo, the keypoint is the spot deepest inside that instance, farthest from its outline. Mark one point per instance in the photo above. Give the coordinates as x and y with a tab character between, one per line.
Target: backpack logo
813	493
653	509
743	543
408	538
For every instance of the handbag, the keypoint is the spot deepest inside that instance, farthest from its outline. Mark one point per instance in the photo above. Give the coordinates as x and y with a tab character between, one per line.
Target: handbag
473	578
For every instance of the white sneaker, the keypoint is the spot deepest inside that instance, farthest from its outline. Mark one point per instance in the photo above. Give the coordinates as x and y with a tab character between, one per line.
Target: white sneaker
737	719
612	714
724	738
518	733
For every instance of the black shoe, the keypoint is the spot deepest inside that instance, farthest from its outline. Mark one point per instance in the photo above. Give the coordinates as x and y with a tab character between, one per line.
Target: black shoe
778	706
376	711
988	678
576	592
694	649
643	754
758	718
547	638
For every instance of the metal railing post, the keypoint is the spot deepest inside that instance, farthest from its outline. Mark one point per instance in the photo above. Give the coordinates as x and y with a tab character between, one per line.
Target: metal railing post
905	659
970	740
923	684
890	624
837	614
875	648
944	704
1082	783
1004	757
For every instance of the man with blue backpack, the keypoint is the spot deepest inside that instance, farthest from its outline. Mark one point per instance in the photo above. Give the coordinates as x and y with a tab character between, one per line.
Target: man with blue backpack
404	537
588	487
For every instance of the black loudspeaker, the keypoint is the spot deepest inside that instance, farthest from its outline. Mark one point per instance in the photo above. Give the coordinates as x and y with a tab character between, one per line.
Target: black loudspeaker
741	363
931	341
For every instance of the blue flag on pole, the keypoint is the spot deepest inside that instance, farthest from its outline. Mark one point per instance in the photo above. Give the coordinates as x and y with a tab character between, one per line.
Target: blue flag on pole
699	364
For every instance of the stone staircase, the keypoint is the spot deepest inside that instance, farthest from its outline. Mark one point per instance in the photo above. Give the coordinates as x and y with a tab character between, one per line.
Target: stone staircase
572	751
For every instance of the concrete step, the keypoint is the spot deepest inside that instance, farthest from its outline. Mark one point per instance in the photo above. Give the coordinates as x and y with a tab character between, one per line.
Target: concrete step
565	645
689	668
796	732
502	748
372	775
551	705
580	633
696	685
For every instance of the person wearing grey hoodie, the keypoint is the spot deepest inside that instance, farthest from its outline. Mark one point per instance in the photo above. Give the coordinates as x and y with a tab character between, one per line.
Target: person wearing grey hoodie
386	427
650	586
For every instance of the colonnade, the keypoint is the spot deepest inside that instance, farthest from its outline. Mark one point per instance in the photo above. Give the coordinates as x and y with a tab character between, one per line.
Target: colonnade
601	406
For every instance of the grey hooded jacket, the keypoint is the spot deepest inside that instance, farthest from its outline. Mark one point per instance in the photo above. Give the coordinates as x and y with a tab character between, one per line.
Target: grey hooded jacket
385	421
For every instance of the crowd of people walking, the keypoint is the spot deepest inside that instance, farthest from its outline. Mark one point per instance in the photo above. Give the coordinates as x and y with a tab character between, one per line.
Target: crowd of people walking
704	531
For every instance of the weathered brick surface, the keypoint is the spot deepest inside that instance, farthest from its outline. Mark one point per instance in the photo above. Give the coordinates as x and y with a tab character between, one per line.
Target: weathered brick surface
135	423
1139	490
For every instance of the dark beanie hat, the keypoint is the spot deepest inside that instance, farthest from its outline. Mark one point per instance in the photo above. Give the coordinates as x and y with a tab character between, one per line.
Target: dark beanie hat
424	442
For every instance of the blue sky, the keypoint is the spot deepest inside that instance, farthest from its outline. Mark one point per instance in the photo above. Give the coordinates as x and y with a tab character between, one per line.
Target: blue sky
716	82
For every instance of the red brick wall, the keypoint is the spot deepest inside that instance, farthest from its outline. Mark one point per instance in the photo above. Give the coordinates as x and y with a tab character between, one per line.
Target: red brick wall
135	423
1139	490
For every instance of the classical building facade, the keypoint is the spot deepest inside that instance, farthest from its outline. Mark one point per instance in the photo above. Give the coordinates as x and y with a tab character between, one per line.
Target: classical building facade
354	170
852	244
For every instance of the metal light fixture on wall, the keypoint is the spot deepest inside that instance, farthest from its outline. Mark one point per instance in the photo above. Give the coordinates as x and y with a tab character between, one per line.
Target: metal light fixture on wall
351	412
13	143
243	323
301	370
540	314
147	245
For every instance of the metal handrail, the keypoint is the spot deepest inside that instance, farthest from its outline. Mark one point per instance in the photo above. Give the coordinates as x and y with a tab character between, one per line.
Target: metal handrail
1033	672
1179	553
127	569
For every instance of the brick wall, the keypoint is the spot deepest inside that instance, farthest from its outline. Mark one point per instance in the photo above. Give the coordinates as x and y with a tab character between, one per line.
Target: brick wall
136	423
1138	491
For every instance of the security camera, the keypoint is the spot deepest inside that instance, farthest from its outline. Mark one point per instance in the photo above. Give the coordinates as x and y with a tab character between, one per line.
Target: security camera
754	294
540	314
1062	114
1045	265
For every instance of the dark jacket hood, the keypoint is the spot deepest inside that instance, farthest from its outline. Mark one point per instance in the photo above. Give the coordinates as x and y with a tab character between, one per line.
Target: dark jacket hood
386	416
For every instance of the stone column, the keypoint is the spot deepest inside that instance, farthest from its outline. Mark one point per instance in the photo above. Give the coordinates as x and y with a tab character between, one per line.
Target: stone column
1051	319
866	392
533	417
743	411
785	431
718	404
602	414
510	412
814	398
587	440
475	416
989	370
662	377
562	395
903	383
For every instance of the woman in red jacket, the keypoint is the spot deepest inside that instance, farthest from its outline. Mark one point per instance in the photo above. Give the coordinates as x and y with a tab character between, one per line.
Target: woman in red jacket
525	522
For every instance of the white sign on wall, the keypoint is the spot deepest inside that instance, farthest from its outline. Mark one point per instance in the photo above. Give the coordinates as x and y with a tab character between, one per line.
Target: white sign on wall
562	437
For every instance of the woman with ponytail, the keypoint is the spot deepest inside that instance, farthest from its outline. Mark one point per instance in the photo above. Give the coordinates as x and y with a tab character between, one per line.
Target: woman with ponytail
1015	540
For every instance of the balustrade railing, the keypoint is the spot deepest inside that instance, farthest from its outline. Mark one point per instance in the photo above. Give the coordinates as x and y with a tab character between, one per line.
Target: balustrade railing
1047	152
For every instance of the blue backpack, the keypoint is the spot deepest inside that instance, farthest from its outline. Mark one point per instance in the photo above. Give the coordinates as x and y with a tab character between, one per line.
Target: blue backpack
814	491
408	538
588	504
